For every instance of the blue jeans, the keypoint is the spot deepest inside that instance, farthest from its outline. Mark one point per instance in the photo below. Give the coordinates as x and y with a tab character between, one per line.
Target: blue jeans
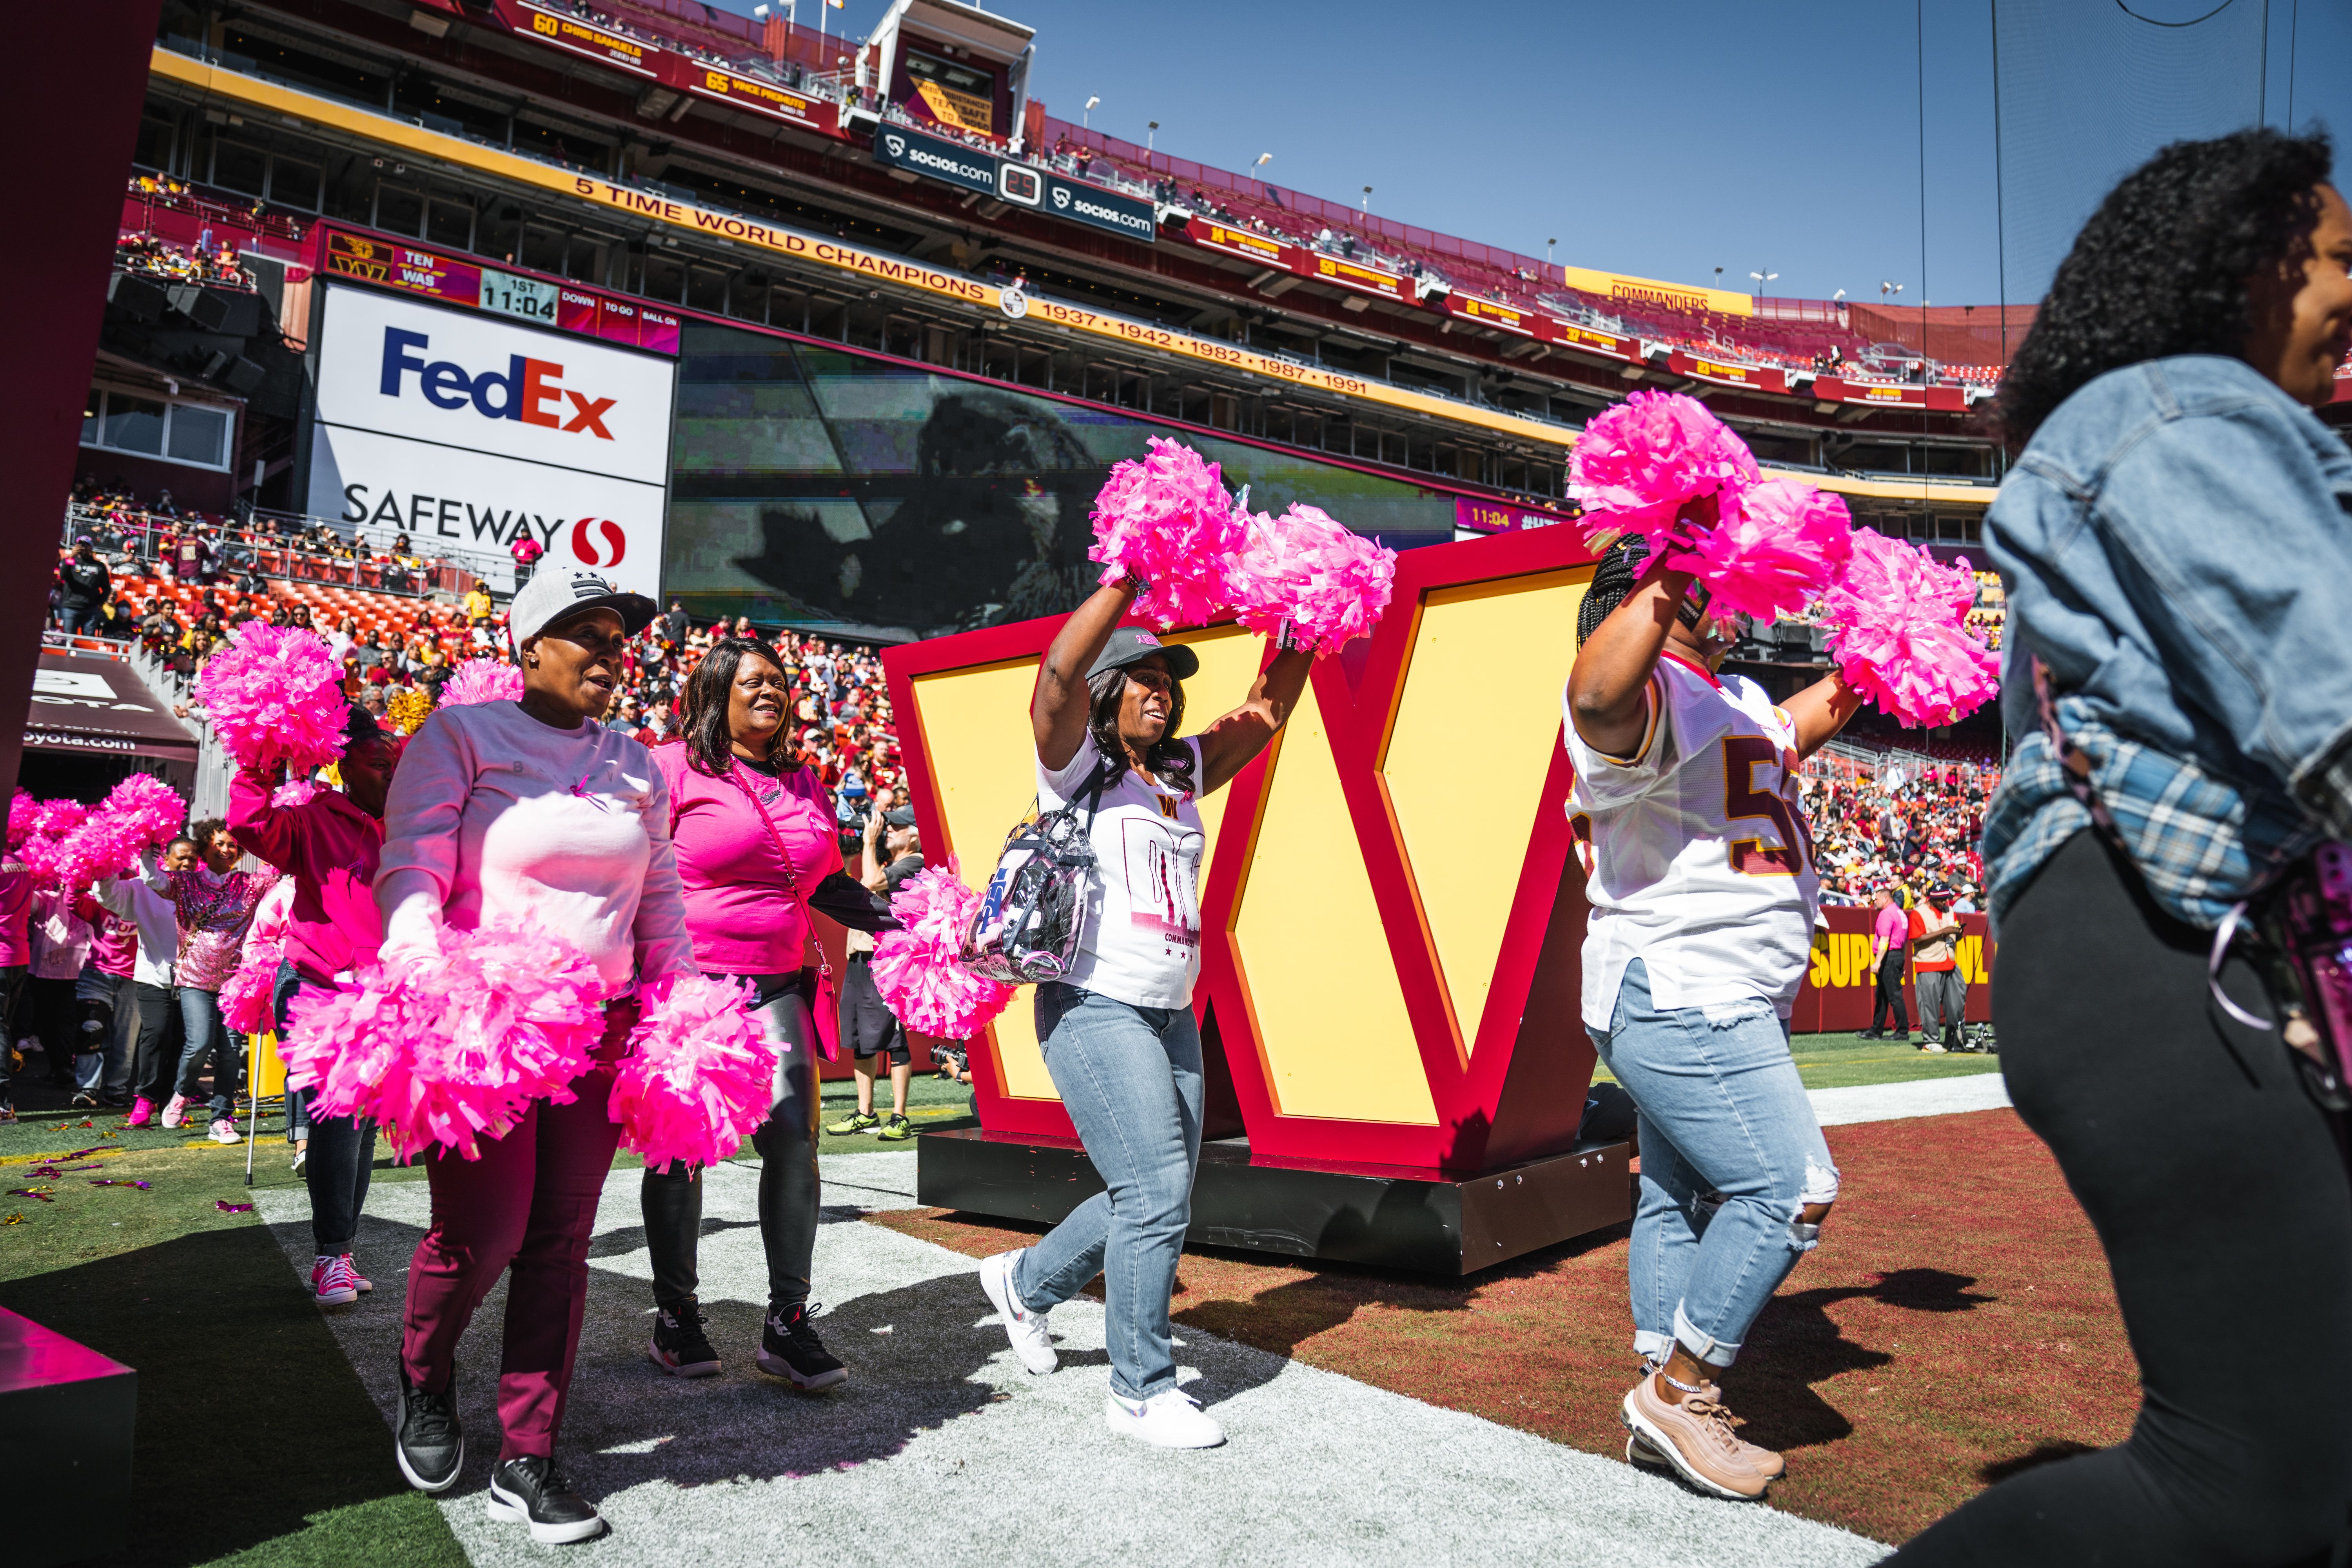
207	1037
1130	1078
1730	1156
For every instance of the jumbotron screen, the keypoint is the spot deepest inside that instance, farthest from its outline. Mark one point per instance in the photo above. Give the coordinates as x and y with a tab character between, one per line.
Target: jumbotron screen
826	487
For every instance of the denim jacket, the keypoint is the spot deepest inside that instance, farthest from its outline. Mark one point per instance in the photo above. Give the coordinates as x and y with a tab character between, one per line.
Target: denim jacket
2176	545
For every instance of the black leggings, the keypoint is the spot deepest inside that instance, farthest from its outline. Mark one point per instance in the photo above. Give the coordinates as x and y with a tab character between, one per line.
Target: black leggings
672	1198
2219	1193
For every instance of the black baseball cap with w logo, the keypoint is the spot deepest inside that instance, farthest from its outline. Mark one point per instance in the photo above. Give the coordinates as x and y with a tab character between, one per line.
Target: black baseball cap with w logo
550	596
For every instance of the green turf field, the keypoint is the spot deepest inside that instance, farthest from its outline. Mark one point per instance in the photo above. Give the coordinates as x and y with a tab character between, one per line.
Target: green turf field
1842	1061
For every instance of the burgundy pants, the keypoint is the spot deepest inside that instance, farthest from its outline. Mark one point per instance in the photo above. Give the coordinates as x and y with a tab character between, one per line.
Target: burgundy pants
527	1203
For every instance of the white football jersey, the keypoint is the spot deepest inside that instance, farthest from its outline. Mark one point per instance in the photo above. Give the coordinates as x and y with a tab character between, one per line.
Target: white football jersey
1696	858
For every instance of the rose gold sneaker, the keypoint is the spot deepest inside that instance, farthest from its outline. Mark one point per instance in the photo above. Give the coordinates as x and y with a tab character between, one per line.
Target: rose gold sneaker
1638	1451
1694	1438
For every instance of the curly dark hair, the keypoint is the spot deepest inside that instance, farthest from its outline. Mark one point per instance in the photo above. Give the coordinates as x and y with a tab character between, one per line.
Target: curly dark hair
709	744
1168	758
2161	267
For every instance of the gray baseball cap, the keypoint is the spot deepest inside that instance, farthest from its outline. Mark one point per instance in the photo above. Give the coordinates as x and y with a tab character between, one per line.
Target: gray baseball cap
1133	645
550	596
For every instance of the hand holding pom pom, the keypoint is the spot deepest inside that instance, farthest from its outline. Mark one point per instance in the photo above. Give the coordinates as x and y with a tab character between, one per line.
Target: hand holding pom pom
482	680
274	695
700	1077
1305	568
1167	522
1774	546
1899	633
1638	464
916	969
444	1049
293	792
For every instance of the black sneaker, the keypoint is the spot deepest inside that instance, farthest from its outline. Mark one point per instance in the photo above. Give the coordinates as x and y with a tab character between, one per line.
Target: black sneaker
532	1490
679	1347
790	1348
427	1440
83	1099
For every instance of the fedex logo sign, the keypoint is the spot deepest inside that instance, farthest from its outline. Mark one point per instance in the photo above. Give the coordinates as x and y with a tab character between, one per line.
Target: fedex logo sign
526	390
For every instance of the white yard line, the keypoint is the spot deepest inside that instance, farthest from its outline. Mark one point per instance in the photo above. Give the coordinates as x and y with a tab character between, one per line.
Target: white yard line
1921	1097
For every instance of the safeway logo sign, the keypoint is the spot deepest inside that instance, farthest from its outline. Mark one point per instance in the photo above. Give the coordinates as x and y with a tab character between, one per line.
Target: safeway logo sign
599	542
528	391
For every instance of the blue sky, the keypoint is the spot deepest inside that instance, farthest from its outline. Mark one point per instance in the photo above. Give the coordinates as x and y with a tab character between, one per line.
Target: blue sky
1665	141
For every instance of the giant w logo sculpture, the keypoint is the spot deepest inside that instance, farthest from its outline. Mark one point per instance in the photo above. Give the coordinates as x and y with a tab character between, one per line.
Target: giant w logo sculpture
1391	912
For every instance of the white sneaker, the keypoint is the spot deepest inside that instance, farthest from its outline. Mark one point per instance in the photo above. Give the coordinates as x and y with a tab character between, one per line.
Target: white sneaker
1024	1327
176	1111
1173	1419
224	1132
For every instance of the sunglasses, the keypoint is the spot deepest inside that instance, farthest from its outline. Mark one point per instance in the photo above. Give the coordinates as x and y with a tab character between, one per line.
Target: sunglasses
1152	679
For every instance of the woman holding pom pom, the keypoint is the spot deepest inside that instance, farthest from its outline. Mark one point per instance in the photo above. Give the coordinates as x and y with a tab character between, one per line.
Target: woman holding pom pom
756	848
527	811
330	845
1703	887
1118	1032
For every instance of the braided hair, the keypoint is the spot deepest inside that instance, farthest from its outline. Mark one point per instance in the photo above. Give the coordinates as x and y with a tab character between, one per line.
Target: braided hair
1613	582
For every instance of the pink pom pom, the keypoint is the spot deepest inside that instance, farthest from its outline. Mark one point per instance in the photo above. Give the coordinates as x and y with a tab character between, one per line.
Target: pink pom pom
245	997
1899	633
21	808
1638	463
1774	546
39	856
1168	521
701	1077
1306	568
483	680
917	970
152	808
293	792
450	1048
104	845
275	694
56	819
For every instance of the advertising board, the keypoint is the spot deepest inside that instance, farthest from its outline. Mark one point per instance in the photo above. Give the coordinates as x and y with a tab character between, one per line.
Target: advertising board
470	429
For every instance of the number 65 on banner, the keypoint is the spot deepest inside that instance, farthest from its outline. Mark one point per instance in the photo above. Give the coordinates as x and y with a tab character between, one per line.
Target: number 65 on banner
1391	916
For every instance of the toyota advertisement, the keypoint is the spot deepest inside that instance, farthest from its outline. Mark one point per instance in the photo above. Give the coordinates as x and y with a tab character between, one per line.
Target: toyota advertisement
464	431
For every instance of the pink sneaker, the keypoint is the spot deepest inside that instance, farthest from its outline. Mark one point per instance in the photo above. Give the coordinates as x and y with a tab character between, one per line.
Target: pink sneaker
175	1110
357	1277
142	1111
333	1283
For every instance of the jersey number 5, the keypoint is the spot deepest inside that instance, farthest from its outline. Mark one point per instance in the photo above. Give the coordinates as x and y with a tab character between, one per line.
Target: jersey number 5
1742	755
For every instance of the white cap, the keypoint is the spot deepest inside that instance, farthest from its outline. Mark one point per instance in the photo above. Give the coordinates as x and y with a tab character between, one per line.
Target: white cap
551	595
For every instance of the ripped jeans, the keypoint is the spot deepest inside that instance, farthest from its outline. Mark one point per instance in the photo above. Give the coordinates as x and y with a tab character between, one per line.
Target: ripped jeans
1730	1156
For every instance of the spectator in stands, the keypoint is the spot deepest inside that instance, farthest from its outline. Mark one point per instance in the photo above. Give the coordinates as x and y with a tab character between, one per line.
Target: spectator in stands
187	556
84	586
676	623
526	550
477	603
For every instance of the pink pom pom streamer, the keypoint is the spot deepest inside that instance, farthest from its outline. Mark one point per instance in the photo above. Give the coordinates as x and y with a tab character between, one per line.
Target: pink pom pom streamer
245	997
293	792
1168	521
1774	546
483	680
701	1077
53	819
274	695
1306	568
21	806
152	808
1898	631
104	845
40	858
1638	463
917	970
446	1049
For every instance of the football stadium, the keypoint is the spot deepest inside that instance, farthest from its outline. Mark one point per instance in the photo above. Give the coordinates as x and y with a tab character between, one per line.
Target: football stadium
610	877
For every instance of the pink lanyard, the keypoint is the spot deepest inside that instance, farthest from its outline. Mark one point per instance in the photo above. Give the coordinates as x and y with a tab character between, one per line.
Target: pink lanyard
827	1028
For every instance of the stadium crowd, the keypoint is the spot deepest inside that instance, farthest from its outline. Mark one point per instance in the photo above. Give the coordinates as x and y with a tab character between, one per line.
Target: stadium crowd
1912	828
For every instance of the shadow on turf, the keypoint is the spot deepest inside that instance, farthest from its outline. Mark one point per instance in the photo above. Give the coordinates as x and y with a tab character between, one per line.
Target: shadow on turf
2032	1460
1799	1346
250	1422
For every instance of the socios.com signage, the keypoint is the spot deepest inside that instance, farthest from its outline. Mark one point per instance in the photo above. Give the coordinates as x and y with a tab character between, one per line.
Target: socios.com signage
1082	202
467	431
939	160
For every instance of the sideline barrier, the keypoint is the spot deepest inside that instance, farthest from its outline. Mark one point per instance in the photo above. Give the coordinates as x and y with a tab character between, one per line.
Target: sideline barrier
1839	986
1390	920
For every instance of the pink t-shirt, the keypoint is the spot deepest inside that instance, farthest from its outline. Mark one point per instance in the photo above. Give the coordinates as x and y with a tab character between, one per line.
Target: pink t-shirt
739	909
1893	927
16	914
